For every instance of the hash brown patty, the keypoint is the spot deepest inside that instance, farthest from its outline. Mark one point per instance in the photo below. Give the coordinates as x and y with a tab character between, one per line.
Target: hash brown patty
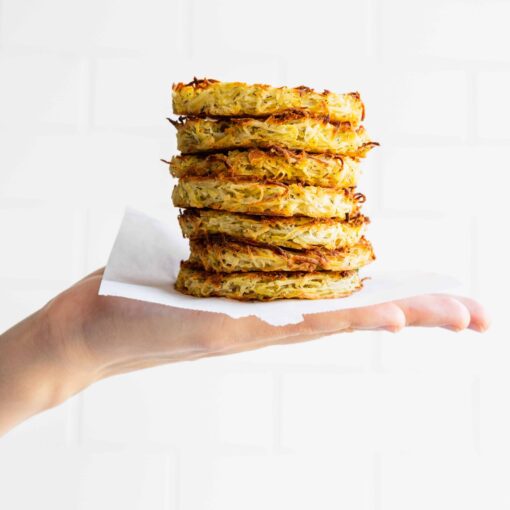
274	199
298	131
222	255
297	232
274	164
267	286
229	99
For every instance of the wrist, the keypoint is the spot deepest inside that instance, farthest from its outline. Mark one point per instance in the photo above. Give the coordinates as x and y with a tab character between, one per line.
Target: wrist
33	373
72	365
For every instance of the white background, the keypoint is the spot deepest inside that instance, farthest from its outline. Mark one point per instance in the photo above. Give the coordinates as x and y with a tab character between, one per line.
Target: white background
365	421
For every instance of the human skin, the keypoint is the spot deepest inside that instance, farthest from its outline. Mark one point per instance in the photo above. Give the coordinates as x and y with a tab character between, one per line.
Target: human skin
79	338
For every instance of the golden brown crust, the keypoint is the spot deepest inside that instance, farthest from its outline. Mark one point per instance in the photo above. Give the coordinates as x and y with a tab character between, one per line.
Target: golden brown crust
267	286
222	255
273	199
294	232
273	164
293	130
212	98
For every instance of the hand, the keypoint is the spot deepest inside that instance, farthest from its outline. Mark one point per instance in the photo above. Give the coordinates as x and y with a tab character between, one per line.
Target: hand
85	337
110	335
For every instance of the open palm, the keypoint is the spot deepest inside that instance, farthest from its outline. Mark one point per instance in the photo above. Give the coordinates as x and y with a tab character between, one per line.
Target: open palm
111	335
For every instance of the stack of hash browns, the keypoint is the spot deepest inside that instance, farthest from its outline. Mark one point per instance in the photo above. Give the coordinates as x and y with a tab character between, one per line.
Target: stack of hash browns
267	181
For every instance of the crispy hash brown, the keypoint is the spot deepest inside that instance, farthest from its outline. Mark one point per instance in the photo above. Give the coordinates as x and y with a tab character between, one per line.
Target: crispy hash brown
275	199
297	232
221	255
298	131
274	164
267	286
214	98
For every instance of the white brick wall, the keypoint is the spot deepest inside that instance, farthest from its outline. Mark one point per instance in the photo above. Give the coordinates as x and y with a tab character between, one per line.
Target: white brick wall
447	29
55	99
369	421
423	103
492	112
433	481
383	412
224	23
292	481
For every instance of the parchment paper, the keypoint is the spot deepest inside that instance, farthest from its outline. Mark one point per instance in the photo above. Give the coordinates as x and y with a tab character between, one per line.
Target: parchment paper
145	259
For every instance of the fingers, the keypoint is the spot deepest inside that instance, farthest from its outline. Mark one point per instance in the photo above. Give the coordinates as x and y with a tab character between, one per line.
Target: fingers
434	311
451	312
480	320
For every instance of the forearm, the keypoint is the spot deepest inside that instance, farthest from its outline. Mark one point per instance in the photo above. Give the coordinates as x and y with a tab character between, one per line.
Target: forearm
32	375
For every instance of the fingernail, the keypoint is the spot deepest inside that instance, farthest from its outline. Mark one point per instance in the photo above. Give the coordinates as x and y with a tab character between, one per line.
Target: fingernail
455	329
481	327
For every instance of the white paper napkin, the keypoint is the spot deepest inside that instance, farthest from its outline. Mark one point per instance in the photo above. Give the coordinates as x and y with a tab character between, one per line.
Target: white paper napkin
145	259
